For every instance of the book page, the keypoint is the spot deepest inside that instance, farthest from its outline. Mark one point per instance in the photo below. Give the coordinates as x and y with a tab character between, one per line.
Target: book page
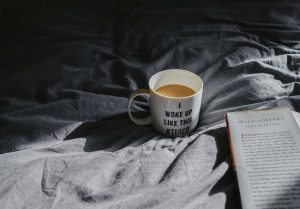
297	117
266	148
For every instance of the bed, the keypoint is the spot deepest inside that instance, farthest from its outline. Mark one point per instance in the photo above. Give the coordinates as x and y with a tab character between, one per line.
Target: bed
68	67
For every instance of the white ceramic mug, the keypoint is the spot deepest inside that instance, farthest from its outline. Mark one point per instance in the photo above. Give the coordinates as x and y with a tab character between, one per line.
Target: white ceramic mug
172	116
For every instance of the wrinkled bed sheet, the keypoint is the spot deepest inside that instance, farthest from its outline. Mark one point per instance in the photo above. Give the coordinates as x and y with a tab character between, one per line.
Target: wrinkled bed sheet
68	67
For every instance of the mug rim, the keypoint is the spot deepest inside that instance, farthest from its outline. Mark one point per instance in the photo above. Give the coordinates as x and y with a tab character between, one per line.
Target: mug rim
177	70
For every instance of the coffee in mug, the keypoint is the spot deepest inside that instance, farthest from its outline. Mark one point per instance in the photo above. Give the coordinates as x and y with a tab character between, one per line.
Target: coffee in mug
175	90
175	100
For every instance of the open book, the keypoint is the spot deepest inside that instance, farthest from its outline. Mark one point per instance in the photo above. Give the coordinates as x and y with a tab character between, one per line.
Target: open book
265	147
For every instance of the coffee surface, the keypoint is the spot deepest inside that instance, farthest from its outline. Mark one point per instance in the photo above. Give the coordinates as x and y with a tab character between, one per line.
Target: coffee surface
175	90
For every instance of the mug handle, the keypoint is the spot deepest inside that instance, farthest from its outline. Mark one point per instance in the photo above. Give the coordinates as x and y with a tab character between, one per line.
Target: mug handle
138	121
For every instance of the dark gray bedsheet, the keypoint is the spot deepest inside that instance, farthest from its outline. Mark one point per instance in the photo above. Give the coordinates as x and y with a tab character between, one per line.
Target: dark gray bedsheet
66	70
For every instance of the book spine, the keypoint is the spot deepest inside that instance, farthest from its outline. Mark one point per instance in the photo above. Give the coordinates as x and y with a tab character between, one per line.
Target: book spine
230	143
